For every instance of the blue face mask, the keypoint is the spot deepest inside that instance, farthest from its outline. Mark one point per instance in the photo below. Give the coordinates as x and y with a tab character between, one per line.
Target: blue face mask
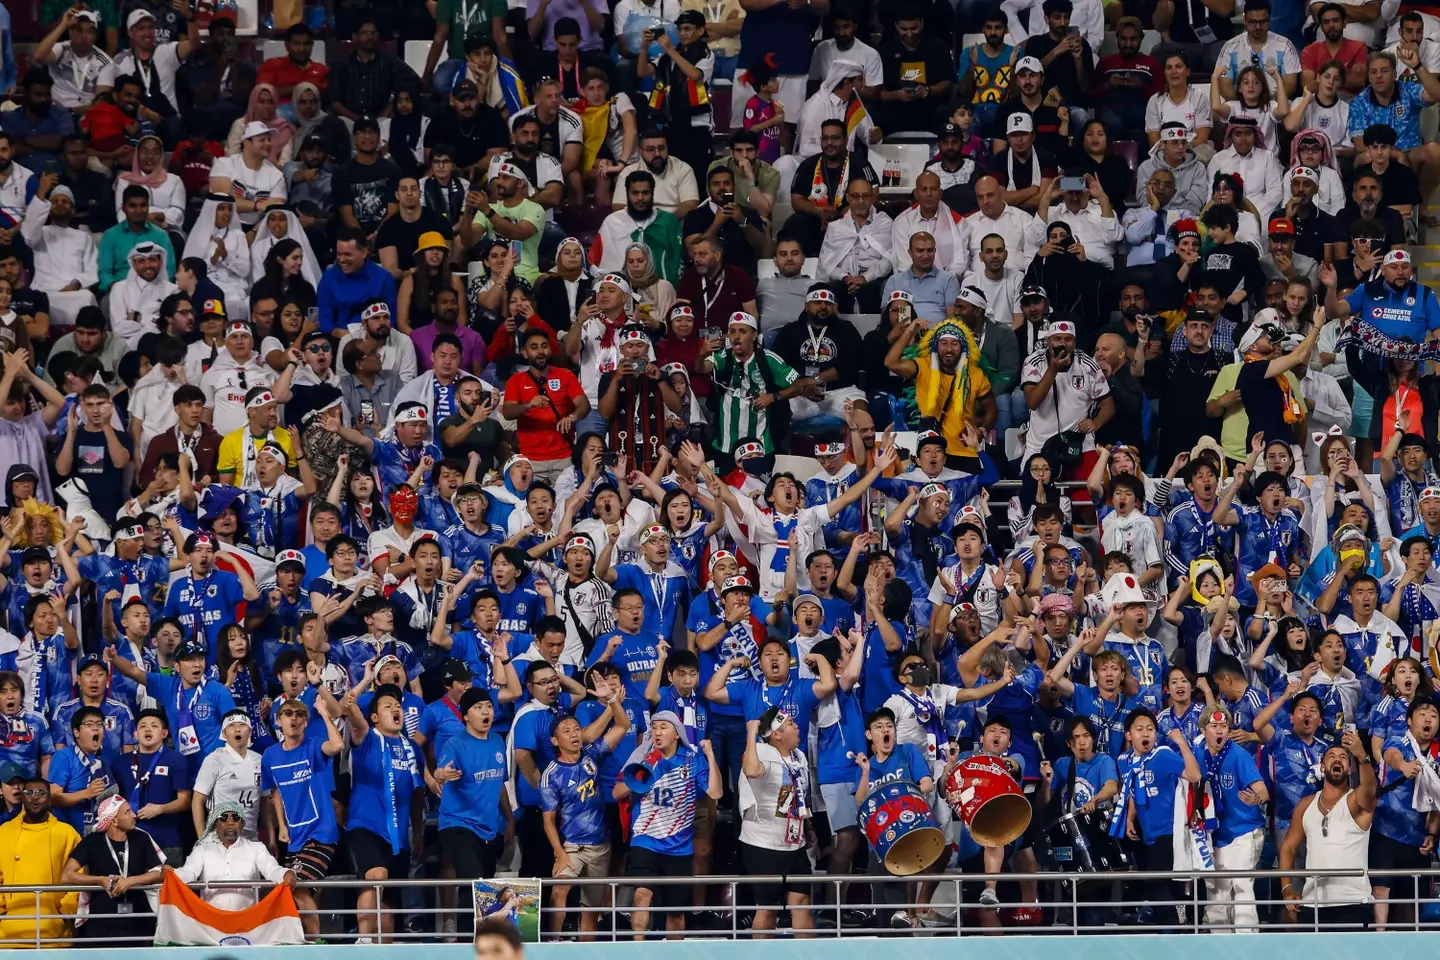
756	467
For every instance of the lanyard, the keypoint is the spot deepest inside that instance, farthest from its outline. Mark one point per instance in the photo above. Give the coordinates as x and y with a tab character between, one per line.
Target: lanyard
122	857
453	709
710	301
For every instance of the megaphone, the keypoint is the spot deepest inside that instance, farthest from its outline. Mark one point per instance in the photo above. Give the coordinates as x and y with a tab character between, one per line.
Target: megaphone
640	777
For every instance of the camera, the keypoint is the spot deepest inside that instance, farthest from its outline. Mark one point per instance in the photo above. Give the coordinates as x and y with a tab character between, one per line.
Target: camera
727	198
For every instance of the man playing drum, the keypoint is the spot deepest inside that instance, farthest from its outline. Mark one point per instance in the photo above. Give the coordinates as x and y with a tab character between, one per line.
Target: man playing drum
890	762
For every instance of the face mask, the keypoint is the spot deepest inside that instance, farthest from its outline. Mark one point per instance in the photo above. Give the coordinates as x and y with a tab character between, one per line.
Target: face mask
920	675
755	467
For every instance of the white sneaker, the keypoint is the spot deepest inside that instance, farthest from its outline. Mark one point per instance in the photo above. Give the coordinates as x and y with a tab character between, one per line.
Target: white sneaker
989	899
364	940
900	920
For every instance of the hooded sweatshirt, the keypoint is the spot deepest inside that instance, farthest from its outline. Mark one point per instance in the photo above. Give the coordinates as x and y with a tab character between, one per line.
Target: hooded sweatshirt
134	301
1192	182
342	295
34	854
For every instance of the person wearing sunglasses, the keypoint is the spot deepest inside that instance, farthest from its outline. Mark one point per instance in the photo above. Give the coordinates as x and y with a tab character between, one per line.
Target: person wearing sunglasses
223	855
35	846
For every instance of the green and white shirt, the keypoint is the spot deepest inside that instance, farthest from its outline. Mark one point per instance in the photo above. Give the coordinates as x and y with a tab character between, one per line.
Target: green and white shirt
739	384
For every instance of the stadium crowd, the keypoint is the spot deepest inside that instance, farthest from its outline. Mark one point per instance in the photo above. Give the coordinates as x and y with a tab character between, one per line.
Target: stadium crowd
522	466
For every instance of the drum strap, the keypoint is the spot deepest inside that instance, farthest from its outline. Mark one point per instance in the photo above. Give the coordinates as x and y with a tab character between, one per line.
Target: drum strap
1068	805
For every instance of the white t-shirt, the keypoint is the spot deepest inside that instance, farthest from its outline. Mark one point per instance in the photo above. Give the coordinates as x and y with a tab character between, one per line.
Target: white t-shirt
769	817
1194	112
227	777
384	538
1074	394
866	57
166	63
978	586
1334	120
257	185
568	123
909	728
76	77
225	386
12	193
1002	297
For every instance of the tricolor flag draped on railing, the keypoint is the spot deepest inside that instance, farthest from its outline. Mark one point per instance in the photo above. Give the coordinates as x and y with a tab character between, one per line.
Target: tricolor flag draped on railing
185	920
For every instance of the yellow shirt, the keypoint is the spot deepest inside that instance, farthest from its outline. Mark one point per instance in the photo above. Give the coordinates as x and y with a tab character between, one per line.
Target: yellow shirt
938	396
231	457
34	854
1235	427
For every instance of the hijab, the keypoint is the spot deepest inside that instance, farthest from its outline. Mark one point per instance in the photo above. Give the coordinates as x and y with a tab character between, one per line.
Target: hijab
1029	486
281	130
137	176
304	128
650	277
264	240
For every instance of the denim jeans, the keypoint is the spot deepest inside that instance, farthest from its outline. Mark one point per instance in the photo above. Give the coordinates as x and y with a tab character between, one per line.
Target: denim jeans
1011	411
727	740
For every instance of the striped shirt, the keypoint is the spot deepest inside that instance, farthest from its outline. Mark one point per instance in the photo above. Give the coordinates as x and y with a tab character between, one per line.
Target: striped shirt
556	135
740	383
664	818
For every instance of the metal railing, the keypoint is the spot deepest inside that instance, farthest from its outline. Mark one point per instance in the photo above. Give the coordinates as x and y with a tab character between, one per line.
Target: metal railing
1070	904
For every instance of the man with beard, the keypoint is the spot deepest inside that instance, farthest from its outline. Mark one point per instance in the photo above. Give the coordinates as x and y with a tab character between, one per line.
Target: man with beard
1122	374
13	179
1065	390
66	262
932	216
135	301
998	281
37	128
833	102
1026	171
445	310
757	184
1045	120
1316	234
470	430
919	72
399	236
1022	233
844	45
1088	213
740	233
32	308
545	403
76	62
1334	828
546	180
515	217
640	219
34	848
753	387
855	254
952	166
1367	207
560	133
633	400
309	184
1332	44
675	190
784	294
112	121
1283	262
94	193
1266	384
714	289
374	330
362	84
365	185
475	130
135	228
824	348
155	64
1128	78
951	387
817	191
927	288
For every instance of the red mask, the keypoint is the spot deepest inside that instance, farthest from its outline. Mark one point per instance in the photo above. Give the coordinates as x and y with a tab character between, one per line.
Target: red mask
403	503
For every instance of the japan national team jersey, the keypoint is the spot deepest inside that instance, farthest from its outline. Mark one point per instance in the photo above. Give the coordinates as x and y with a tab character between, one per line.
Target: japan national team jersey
304	779
24	739
636	657
1156	775
1292	772
663	820
1264	541
573	789
206	605
473	801
664	593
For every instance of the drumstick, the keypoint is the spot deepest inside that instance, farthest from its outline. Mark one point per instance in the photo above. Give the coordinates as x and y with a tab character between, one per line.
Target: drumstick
1040	743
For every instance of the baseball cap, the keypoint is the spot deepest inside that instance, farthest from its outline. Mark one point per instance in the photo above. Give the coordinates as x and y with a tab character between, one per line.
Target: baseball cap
1282	227
369	123
465	89
1032	64
138	16
255	128
1020	122
1033	291
456	671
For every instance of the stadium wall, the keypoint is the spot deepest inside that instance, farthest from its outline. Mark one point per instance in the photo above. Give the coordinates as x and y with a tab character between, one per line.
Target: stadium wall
1275	946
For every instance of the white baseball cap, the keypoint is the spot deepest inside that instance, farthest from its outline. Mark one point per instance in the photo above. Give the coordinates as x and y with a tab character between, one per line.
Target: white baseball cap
1032	64
1020	122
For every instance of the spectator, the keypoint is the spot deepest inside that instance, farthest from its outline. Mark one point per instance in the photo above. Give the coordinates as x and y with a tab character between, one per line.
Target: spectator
1190	375
398	239
224	856
545	403
1067	58
640	220
999	354
352	282
76	60
1113	357
1079	405
1260	46
1126	81
36	846
366	184
786	293
833	101
1398	106
475	130
741	234
1089	215
757	183
1367	215
155	61
1027	96
1028	171
843	44
1398	183
999	282
296	67
818	189
825	348
633	398
1181	103
713	288
673	180
952	166
1333	45
361	85
1283	261
856	248
928	289
1173	154
1021	232
945	226
66	262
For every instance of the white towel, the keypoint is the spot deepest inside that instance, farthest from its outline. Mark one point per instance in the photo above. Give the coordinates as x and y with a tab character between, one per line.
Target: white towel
1191	844
1426	796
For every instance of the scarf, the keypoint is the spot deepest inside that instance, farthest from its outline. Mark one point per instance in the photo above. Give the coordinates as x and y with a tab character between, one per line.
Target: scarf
939	396
304	128
139	177
650	277
1368	339
281	130
1212	763
607	336
1132	790
1033	165
797	775
820	193
389	787
1293	411
218	810
248	698
928	716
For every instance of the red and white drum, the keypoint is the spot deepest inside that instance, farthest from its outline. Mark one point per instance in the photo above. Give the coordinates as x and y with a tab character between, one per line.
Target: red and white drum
986	797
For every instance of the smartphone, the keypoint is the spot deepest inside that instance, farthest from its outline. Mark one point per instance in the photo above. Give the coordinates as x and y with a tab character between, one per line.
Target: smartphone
904	313
1072	31
611	459
727	198
707	333
1072	183
515	246
50	168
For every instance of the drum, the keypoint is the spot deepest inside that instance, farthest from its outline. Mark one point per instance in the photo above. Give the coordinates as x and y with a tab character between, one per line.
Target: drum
900	828
986	797
1081	843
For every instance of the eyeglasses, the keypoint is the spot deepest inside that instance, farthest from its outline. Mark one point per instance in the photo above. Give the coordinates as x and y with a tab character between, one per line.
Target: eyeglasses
92	724
35	792
231	818
318	348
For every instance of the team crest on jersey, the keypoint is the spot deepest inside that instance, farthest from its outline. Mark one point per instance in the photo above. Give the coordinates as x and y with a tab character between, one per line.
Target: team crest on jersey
202	711
687	550
553	383
212	591
109	723
1409	301
588	766
1077	380
1400	111
520	608
499	757
1227	780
